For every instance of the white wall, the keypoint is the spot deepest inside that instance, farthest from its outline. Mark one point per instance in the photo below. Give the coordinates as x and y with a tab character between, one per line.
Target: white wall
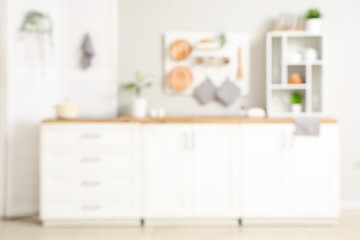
2	112
343	91
143	22
38	78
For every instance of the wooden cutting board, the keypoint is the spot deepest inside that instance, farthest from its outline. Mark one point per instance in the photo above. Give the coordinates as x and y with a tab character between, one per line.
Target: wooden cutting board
180	49
180	78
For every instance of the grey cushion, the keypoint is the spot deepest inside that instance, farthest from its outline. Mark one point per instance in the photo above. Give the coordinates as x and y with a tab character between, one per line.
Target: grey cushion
227	93
204	93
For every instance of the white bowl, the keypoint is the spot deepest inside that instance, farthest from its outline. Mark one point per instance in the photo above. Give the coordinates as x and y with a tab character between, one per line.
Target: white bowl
67	110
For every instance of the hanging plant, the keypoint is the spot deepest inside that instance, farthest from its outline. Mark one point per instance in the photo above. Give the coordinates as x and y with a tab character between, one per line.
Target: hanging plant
37	22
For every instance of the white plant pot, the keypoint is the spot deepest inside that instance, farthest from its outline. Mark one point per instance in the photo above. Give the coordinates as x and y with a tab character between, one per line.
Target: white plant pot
139	108
314	25
296	108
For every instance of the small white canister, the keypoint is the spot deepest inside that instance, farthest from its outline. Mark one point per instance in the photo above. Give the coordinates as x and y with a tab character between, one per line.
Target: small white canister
67	110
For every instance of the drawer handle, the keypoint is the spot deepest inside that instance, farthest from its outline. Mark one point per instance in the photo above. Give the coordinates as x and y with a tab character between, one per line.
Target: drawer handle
90	183
90	136
94	207
90	159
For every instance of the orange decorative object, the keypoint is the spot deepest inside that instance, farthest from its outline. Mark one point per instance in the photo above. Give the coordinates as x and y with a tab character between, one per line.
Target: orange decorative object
180	78
206	41
295	79
180	50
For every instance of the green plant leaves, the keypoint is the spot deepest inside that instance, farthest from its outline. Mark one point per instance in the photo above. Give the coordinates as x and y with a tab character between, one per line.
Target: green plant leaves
296	98
137	85
313	13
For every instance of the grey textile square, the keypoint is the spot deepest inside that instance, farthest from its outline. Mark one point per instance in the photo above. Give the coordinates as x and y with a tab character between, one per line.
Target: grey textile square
307	126
227	93
204	93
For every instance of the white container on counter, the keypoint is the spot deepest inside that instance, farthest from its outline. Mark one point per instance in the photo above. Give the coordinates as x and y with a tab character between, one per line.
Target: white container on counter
67	110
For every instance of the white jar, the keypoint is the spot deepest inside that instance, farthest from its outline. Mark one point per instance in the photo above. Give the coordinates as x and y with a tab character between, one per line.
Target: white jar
139	108
67	110
311	54
314	25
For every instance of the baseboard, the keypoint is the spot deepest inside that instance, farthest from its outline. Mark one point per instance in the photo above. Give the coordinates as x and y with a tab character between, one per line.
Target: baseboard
351	205
90	223
191	223
330	222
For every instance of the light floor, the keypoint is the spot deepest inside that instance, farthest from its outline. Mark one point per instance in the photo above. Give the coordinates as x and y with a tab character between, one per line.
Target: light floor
28	229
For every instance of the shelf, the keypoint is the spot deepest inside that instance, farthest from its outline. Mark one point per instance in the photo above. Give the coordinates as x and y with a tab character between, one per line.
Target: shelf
293	34
281	47
289	86
304	63
295	115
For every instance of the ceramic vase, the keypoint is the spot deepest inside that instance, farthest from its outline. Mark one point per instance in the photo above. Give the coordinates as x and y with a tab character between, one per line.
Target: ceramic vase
139	107
296	108
314	25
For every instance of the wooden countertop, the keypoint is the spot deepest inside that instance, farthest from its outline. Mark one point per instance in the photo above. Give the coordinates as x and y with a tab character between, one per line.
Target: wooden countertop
220	120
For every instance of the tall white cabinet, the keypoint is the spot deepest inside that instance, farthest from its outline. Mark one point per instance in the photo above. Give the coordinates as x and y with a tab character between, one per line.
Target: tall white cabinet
286	55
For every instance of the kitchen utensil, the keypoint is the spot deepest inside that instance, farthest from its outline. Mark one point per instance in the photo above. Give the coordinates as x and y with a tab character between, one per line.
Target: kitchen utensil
180	78
180	49
240	70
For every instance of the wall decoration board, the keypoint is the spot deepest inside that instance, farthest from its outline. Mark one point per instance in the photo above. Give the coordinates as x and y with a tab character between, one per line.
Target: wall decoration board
190	58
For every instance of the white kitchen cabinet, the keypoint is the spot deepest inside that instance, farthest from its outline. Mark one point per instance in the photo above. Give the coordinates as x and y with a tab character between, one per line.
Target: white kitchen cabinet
173	173
314	174
191	171
168	176
263	157
90	172
217	168
289	177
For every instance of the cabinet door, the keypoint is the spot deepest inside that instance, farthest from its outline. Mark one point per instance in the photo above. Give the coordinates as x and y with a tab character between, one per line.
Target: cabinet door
263	151
217	184
168	171
314	162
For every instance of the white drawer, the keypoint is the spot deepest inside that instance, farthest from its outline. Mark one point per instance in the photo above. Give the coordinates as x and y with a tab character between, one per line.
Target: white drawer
90	134
126	207
88	160
90	186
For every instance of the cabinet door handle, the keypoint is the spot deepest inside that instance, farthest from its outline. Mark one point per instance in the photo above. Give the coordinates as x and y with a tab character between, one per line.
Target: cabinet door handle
282	141
185	141
90	159
93	207
292	144
193	141
90	136
90	183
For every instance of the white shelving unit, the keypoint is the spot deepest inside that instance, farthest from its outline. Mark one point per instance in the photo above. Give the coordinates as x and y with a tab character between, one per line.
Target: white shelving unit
280	47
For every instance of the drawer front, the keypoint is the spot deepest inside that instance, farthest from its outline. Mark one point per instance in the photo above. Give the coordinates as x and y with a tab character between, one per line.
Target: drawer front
90	134
90	185
90	160
65	208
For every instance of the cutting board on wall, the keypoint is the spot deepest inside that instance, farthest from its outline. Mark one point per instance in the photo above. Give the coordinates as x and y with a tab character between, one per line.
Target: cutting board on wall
219	63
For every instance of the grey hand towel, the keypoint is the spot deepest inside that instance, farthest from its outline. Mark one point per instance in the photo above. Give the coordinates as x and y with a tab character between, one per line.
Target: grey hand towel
204	93
227	93
88	52
307	126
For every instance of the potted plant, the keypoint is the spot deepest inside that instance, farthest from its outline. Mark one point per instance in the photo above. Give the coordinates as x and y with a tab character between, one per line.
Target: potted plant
139	104
296	99
313	21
